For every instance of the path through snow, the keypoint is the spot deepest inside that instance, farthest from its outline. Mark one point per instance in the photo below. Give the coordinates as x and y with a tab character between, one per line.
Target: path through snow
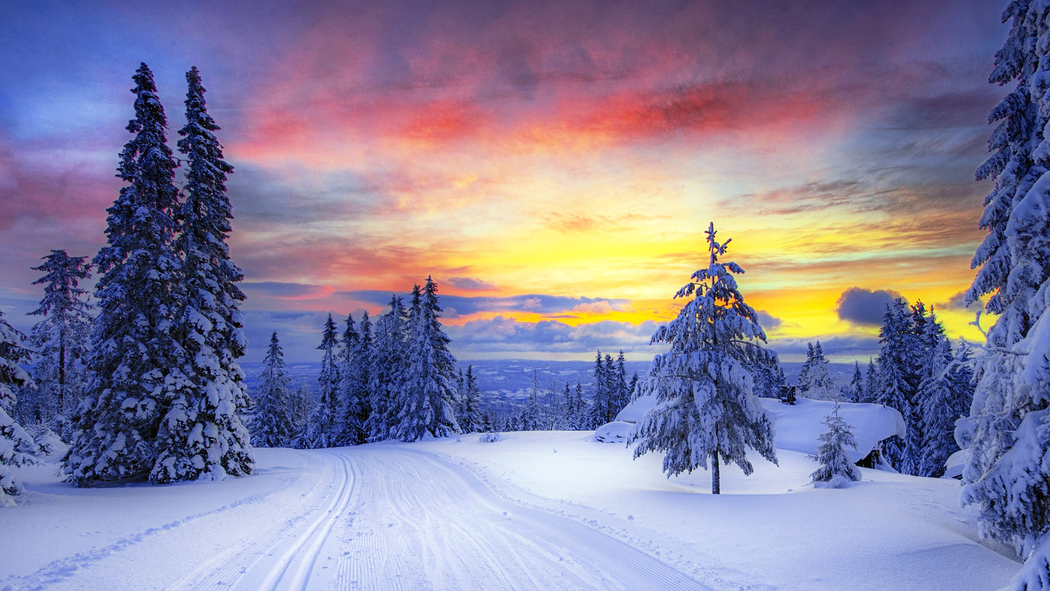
371	517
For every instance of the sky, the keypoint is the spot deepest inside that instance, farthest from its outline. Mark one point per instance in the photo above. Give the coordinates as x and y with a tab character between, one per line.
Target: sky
552	165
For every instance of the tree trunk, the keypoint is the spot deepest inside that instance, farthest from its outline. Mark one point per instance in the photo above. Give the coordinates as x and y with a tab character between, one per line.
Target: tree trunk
715	488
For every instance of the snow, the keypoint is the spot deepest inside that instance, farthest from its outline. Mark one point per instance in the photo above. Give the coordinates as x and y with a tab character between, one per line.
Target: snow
538	510
799	425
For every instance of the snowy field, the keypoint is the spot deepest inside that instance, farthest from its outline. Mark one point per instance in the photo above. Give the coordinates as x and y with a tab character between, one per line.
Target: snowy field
537	510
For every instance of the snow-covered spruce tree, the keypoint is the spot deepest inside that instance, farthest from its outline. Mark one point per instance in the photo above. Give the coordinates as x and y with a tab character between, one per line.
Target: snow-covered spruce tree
353	386
768	377
272	423
943	398
134	355
428	392
387	371
705	407
469	415
831	454
1008	430
60	343
854	391
301	402
1010	281
988	430
322	428
814	381
202	434
895	378
623	393
576	410
16	445
871	382
602	407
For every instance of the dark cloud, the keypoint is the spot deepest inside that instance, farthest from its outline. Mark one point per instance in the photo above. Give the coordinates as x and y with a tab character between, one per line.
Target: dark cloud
864	307
958	303
767	321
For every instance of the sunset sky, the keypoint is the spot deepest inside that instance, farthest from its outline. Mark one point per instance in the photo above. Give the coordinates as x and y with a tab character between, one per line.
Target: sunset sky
551	164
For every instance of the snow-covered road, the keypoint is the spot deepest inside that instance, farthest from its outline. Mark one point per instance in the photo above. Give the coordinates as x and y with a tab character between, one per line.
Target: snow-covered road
371	517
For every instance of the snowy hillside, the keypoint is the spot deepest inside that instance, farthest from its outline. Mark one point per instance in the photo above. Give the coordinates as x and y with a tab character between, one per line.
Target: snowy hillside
535	510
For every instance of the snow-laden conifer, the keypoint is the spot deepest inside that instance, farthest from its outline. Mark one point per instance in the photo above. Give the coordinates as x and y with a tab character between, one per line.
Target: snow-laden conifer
469	415
944	395
814	380
16	445
871	382
1011	164
272	423
428	391
322	429
59	342
576	413
202	434
854	391
353	375
705	408
1008	430
834	460
387	371
135	355
603	403
896	387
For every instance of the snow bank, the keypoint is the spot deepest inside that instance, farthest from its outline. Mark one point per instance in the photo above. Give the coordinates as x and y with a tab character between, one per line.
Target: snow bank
768	531
798	426
614	432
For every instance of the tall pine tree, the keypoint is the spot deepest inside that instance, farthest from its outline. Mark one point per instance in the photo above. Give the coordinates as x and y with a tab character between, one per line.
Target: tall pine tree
428	393
1008	430
322	427
202	434
134	349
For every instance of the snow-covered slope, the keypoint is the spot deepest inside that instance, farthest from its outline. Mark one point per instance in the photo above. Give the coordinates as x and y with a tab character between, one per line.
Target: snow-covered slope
536	510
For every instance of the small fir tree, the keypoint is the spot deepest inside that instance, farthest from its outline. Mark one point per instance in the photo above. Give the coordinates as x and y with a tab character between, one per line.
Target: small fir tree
831	454
705	408
273	424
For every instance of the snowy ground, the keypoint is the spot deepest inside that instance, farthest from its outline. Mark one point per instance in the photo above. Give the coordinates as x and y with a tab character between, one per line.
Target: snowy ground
533	511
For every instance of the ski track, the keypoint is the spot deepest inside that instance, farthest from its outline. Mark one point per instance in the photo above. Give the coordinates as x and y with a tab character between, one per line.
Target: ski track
423	523
385	517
